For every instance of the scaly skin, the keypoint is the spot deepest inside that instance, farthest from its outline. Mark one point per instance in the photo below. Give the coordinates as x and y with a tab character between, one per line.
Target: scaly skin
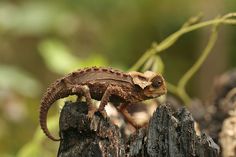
105	84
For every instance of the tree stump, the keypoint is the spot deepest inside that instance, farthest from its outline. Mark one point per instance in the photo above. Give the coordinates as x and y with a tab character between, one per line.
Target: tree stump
169	134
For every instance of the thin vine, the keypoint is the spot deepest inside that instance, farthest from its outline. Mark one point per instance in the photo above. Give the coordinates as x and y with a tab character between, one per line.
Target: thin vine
190	25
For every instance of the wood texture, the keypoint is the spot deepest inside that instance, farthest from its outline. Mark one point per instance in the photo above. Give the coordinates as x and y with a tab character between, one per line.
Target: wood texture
168	134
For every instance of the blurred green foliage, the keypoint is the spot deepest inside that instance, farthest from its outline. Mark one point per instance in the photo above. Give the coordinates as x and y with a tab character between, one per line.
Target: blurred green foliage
18	80
59	59
41	40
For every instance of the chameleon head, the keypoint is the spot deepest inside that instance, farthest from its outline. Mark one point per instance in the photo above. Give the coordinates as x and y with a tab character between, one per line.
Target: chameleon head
156	87
153	84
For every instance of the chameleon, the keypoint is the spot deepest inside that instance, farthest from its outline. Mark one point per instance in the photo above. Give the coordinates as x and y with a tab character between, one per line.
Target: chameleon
105	85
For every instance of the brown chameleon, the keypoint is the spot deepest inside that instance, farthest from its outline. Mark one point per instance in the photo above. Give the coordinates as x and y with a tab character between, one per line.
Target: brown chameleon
106	85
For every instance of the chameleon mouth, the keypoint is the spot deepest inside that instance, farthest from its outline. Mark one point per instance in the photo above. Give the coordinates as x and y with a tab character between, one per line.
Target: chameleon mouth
156	93
162	92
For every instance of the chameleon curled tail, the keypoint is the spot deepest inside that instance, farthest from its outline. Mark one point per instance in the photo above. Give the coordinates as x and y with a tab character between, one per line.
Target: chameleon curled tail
43	113
48	99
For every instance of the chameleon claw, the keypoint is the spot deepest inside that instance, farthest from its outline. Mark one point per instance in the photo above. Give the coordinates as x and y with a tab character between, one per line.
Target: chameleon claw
91	113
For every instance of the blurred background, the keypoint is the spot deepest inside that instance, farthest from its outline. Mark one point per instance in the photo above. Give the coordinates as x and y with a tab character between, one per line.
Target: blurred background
42	40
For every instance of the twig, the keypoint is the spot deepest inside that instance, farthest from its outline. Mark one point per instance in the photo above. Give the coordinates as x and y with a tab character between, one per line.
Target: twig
189	74
170	40
189	26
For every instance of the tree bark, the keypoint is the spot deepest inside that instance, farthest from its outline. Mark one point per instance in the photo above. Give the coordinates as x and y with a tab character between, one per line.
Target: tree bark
169	134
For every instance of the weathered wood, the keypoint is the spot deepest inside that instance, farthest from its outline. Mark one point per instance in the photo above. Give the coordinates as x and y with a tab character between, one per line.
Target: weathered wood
168	134
82	137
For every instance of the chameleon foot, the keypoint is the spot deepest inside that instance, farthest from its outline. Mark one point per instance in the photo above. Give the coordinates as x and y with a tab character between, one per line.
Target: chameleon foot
86	93
122	109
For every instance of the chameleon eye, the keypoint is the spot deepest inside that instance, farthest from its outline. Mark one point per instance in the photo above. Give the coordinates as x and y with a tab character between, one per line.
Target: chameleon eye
157	81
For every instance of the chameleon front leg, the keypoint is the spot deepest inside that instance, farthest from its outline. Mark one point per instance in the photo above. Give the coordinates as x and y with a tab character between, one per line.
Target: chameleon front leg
106	96
84	91
123	110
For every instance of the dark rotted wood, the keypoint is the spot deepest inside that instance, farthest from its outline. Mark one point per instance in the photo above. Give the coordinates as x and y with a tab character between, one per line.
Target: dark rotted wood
172	134
168	134
87	138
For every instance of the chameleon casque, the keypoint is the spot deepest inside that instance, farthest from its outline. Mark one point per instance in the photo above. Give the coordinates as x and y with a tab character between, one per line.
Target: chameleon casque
105	85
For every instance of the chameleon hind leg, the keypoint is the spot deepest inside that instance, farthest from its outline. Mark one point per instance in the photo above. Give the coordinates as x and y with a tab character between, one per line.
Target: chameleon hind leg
123	110
83	90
